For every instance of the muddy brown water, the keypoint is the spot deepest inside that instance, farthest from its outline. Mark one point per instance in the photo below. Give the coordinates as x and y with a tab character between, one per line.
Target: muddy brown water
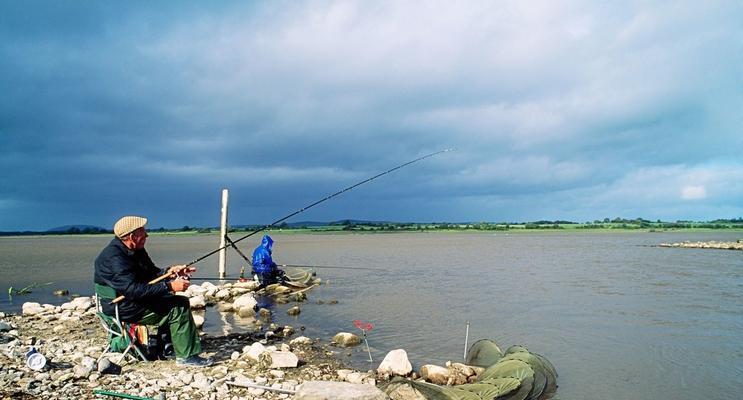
618	318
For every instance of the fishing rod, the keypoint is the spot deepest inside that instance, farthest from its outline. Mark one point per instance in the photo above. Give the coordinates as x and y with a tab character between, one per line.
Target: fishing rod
303	209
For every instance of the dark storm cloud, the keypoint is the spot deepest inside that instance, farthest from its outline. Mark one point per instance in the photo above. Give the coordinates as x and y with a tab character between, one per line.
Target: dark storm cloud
562	110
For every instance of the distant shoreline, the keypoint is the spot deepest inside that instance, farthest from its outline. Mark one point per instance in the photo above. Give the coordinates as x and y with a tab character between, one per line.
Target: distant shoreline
314	231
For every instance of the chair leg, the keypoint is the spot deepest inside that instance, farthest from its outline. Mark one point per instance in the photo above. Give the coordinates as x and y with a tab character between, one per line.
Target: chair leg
141	355
123	355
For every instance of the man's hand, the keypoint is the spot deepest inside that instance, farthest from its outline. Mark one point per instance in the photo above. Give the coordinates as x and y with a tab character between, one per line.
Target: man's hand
175	269
180	271
179	285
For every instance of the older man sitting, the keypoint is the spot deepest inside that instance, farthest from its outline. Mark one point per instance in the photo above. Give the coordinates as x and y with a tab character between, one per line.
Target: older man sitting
125	266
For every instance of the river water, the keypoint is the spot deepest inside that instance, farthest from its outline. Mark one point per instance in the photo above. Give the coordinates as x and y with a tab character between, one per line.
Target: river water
618	318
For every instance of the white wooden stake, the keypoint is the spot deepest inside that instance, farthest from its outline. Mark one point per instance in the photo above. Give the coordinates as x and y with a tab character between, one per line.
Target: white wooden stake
222	235
466	339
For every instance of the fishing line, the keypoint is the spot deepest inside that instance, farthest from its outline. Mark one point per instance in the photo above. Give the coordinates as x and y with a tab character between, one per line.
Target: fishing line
301	210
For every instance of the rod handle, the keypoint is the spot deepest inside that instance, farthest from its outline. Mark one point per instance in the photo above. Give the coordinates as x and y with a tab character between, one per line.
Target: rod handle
156	280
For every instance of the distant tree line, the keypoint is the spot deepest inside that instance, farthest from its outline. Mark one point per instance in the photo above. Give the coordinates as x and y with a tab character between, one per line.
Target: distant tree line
349	225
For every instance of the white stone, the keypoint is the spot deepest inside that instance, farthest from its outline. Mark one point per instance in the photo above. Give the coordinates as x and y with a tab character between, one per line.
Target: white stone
326	390
435	374
357	377
396	363
198	320
343	373
345	339
301	340
82	303
282	359
250	285
246	300
224	307
71	318
278	374
238	291
197	302
223	294
31	308
246	312
196	290
255	350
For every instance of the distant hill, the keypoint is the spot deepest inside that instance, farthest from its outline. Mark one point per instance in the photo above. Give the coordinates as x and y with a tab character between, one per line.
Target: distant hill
310	224
77	228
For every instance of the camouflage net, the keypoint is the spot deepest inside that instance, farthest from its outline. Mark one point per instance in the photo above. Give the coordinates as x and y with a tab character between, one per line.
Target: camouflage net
516	374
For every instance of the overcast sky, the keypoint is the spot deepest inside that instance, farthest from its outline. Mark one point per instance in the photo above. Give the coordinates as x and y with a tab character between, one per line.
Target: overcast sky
574	110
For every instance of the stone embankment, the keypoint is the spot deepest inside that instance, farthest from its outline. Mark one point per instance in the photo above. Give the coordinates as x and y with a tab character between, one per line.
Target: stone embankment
268	363
737	245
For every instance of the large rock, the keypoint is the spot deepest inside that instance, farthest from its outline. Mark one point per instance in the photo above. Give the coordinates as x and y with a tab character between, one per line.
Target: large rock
246	312
435	374
460	374
395	363
5	327
326	390
31	308
250	285
352	376
279	359
105	366
82	303
246	300
254	351
403	391
208	285
86	367
198	320
223	294
197	302
301	341
196	290
345	339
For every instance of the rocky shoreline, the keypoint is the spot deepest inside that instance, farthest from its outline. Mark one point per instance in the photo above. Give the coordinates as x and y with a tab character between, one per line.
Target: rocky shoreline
73	345
271	359
270	362
267	363
737	245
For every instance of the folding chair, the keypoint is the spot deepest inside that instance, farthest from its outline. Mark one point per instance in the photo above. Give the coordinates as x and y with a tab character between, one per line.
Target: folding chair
122	336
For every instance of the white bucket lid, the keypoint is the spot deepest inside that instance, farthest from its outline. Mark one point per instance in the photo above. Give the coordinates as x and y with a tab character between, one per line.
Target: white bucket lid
36	361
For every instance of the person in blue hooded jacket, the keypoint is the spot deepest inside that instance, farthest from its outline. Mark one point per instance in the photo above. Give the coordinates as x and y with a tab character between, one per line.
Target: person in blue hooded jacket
264	268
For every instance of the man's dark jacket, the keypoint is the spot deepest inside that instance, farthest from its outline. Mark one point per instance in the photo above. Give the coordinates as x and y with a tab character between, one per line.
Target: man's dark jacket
128	271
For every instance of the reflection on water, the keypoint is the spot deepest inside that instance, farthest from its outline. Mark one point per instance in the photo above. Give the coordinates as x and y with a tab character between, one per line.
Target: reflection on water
617	318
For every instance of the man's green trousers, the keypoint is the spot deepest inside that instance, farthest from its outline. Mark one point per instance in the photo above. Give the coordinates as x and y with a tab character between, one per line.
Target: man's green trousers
175	312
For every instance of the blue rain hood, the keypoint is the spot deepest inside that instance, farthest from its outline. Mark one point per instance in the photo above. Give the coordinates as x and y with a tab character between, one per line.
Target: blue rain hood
267	242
